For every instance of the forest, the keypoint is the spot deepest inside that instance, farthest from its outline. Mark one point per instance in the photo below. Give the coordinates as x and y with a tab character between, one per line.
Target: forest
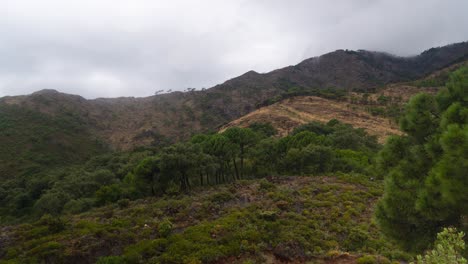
206	159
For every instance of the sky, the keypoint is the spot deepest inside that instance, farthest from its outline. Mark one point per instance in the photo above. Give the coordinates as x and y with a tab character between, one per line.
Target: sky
112	48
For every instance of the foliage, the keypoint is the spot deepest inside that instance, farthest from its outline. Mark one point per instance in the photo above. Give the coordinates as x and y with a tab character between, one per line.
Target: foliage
263	129
425	171
40	142
206	159
71	189
295	218
165	228
447	249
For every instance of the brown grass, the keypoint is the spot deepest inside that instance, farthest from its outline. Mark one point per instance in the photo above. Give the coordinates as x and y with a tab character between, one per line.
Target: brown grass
290	113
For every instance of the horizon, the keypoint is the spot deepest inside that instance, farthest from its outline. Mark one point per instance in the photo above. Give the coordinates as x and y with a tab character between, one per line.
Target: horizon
169	91
111	49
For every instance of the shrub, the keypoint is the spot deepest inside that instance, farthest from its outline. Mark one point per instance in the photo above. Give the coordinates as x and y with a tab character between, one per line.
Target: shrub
447	249
221	197
268	215
78	206
165	228
265	185
108	194
53	224
111	260
367	260
123	203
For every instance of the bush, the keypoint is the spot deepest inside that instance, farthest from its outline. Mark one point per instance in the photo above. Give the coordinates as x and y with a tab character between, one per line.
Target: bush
265	185
111	260
221	197
53	224
51	203
78	206
447	249
123	203
367	260
108	194
165	228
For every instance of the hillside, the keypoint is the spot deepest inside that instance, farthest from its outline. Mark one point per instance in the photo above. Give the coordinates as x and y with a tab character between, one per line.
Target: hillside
47	129
278	220
32	140
124	123
326	192
371	112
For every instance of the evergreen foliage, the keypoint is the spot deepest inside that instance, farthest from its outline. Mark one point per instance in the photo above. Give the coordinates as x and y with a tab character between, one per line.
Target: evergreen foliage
206	159
425	170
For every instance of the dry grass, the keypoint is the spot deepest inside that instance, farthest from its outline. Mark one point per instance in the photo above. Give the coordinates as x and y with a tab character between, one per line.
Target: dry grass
290	113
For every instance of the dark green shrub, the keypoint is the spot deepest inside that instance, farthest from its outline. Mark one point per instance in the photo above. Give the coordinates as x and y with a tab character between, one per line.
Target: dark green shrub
123	203
221	197
165	228
111	260
53	224
265	185
367	260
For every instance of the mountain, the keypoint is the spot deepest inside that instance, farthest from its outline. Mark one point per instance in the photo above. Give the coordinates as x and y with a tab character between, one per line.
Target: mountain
125	123
71	193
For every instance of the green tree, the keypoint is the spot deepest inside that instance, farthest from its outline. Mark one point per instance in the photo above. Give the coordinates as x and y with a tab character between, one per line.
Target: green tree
425	171
264	129
51	203
223	151
178	163
146	174
108	194
243	138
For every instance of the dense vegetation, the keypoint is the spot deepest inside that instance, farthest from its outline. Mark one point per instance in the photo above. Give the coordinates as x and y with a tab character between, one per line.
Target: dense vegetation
32	141
207	159
248	221
426	170
32	146
447	248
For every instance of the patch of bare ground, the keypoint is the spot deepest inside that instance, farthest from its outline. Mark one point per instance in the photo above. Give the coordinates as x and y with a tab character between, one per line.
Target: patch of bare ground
290	113
293	112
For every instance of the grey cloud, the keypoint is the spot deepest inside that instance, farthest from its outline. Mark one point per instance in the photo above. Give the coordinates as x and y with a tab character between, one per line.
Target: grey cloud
133	48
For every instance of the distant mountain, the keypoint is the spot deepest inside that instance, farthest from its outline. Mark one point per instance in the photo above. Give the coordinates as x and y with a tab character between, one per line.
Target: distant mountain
125	123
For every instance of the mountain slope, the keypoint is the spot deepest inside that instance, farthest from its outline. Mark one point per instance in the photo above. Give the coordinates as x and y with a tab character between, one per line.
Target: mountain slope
290	113
126	123
357	109
31	141
280	220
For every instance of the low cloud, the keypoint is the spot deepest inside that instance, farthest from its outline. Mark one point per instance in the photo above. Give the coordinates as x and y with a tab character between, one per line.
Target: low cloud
111	48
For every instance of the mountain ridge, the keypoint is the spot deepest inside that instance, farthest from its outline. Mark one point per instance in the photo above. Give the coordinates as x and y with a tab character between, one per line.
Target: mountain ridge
128	122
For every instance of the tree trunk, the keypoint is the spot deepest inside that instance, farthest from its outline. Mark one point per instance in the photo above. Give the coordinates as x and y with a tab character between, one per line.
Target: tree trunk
235	168
241	161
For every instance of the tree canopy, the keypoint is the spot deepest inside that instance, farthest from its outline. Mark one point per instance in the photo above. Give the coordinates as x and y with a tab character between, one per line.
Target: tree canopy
425	170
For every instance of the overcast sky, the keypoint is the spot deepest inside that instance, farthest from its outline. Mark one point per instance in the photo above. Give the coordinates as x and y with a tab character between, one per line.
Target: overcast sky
110	48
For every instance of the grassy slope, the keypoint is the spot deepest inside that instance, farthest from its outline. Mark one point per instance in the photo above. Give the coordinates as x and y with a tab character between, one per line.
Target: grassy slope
32	141
293	112
281	219
353	109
